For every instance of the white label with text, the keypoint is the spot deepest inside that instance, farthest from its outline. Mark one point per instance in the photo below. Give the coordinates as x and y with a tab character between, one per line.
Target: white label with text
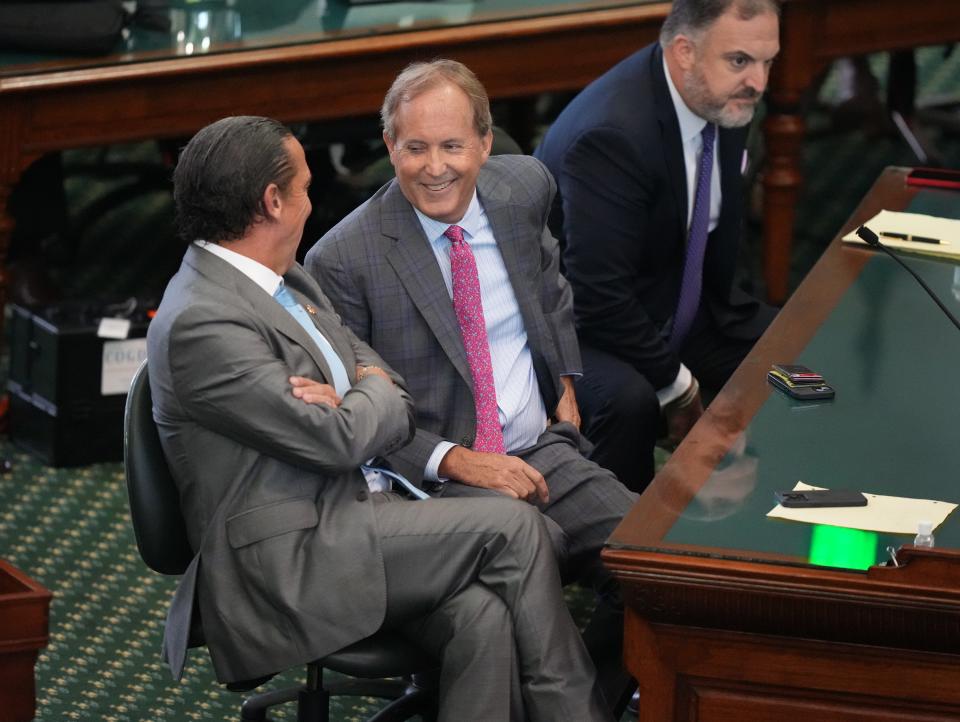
121	359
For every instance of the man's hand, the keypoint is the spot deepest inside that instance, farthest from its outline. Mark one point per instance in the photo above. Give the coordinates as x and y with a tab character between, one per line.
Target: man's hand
505	474
314	392
682	413
567	409
364	371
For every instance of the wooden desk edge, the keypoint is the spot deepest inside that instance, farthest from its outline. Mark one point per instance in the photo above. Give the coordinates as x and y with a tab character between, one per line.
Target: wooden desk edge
338	50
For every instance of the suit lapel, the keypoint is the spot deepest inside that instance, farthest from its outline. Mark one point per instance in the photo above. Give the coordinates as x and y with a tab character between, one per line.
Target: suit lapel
324	318
267	308
672	143
416	267
506	229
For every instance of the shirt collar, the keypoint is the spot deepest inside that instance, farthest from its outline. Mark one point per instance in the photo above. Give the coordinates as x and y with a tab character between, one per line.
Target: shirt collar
470	223
691	124
254	270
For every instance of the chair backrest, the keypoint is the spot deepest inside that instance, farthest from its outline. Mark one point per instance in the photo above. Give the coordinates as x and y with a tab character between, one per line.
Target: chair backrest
154	499
503	143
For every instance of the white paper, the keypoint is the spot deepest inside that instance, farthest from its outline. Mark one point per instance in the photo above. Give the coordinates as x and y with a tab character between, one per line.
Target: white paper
114	328
888	514
946	230
121	359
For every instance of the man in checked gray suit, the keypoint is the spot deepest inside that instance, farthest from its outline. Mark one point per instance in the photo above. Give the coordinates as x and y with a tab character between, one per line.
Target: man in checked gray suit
459	241
267	407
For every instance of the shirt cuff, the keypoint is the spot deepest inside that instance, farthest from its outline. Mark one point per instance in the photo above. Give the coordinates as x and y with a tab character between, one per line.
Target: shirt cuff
676	389
432	470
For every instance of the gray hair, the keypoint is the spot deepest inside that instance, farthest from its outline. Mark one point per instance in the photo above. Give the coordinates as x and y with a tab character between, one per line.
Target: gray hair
420	77
692	17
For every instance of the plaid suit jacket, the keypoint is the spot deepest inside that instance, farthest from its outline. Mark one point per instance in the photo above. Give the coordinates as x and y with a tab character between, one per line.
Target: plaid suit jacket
381	275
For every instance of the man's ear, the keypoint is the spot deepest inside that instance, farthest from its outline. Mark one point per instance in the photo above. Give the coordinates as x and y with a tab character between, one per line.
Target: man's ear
487	144
684	52
272	201
391	145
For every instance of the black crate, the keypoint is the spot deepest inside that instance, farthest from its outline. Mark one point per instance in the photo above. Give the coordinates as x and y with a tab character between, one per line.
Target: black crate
57	410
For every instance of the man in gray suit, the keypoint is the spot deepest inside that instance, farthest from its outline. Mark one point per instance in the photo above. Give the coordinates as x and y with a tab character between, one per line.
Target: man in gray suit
459	240
267	408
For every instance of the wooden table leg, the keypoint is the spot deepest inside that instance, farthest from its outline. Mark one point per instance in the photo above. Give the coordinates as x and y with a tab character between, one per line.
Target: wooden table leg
14	160
655	679
793	72
10	168
782	182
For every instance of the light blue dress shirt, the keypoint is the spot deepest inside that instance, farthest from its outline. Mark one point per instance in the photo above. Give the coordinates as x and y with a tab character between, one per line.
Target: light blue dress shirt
341	382
523	415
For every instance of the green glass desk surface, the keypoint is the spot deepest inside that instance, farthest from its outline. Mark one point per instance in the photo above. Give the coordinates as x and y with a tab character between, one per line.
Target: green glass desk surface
204	28
893	428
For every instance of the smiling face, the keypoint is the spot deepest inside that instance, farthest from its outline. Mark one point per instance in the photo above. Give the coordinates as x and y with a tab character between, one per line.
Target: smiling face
437	152
723	72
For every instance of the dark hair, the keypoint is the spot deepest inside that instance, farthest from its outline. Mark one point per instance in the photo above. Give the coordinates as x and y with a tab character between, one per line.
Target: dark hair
420	77
222	173
691	17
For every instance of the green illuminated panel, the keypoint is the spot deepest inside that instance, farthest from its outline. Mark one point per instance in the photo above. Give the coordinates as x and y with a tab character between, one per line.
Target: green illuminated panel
834	546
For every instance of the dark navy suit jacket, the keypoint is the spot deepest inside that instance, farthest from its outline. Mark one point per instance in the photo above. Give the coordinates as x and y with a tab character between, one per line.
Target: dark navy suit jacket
621	216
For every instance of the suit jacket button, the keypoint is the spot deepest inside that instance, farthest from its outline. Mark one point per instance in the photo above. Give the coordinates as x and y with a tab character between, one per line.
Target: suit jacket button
362	496
467	441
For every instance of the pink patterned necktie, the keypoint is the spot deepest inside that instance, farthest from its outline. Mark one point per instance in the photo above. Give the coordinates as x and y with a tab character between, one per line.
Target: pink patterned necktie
473	329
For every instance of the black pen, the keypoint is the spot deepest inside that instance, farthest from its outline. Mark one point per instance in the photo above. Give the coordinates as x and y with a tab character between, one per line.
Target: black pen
909	237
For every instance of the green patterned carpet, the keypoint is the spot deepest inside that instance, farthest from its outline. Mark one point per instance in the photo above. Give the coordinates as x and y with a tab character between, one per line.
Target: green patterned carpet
69	528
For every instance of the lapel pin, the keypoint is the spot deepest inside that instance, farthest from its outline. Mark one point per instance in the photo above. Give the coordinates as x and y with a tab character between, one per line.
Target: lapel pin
311	310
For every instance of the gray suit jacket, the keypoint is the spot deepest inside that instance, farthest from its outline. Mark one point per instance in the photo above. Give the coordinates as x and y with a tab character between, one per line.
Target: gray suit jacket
382	276
288	565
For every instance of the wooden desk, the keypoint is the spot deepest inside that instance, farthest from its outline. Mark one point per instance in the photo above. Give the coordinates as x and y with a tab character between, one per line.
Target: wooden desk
728	618
516	51
24	625
814	33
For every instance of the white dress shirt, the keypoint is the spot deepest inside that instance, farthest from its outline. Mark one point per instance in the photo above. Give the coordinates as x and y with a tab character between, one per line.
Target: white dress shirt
691	126
254	270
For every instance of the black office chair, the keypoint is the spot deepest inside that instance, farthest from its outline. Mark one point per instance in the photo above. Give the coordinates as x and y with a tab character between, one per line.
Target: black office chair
162	540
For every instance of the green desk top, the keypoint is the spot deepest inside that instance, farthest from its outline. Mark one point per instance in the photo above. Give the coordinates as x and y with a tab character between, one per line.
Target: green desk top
207	27
894	427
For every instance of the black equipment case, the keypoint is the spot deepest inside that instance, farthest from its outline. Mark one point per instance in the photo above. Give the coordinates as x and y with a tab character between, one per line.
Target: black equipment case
58	410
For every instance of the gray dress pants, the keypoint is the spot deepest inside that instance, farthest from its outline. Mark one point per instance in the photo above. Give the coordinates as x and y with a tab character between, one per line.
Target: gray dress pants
475	582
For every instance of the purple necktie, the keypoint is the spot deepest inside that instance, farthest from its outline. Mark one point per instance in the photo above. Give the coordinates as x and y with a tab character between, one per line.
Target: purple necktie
692	282
473	329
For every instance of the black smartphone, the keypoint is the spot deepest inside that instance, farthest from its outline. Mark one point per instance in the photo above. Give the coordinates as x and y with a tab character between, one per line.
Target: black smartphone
814	392
820	497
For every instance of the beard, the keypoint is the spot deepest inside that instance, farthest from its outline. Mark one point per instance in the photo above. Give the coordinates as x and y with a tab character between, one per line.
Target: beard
717	109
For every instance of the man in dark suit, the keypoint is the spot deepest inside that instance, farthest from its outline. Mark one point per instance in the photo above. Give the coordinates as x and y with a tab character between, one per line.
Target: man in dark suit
268	409
450	273
652	272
